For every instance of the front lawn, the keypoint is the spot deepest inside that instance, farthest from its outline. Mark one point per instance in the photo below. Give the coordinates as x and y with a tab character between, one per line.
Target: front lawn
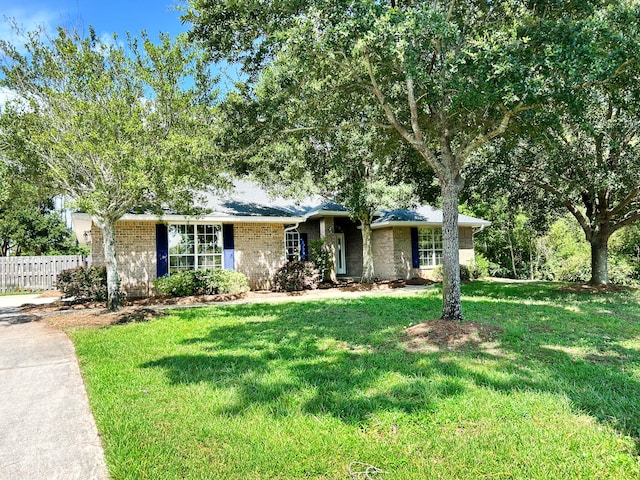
301	390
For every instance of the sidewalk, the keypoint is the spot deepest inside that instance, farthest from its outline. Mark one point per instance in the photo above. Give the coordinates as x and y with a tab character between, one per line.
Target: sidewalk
48	431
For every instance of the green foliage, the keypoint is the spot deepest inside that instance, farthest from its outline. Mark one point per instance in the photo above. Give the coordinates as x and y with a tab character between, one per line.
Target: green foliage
202	282
85	284
466	273
480	266
321	257
28	223
510	242
115	125
296	276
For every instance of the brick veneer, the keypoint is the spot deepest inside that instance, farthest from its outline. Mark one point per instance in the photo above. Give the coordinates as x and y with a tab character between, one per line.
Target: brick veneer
135	255
259	252
393	256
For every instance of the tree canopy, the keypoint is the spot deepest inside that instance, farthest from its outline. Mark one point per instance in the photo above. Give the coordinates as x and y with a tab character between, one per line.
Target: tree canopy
441	78
583	150
117	126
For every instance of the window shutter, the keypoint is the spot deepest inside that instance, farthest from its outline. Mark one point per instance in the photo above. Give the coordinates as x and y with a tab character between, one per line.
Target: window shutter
415	256
304	251
228	246
162	250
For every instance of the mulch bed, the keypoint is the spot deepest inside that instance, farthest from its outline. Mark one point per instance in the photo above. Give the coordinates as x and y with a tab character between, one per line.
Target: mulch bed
448	335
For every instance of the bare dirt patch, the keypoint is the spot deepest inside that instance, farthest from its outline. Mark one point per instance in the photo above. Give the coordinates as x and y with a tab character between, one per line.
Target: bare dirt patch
595	289
102	317
449	335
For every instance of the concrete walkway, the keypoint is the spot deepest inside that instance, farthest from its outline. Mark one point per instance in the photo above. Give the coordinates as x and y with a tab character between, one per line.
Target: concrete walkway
47	431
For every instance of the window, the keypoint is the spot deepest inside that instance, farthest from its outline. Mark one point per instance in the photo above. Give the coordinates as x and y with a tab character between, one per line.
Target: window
430	247
193	247
292	245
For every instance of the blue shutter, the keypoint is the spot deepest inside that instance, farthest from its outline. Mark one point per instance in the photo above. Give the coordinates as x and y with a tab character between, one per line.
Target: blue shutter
162	250
415	256
228	246
304	253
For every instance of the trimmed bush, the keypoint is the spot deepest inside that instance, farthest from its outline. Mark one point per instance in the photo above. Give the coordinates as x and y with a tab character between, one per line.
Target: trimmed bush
88	284
202	282
296	276
465	273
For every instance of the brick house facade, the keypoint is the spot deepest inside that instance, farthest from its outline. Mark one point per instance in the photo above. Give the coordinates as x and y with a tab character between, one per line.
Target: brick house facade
257	240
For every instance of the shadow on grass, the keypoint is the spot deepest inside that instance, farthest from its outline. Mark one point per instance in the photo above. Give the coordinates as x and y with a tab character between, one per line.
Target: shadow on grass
344	358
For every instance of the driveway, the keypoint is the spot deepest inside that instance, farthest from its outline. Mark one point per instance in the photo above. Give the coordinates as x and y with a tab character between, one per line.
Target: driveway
48	431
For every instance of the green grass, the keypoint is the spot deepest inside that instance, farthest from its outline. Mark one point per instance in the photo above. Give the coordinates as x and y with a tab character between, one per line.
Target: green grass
21	292
301	390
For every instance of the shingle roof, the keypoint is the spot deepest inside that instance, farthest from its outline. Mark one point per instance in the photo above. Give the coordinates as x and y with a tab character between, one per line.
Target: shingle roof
249	200
423	215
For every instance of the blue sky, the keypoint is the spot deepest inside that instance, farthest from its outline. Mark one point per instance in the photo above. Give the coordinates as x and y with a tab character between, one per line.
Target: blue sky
107	16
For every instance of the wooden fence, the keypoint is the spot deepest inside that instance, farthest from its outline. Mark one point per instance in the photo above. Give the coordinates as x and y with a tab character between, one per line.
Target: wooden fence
35	273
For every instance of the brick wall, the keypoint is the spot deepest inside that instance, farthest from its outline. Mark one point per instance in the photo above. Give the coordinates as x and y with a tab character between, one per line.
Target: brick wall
135	255
259	252
402	254
466	245
382	246
393	256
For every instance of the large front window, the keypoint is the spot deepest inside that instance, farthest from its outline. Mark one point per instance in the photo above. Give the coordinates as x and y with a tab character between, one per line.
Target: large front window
430	247
193	247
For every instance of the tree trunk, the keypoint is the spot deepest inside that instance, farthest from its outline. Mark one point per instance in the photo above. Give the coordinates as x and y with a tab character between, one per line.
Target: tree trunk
114	296
451	305
513	258
599	262
367	254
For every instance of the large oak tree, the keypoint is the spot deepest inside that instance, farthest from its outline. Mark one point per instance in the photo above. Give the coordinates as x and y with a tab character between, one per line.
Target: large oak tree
445	78
583	150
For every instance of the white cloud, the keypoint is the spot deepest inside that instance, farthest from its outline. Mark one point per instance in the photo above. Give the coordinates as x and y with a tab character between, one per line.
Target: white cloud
26	21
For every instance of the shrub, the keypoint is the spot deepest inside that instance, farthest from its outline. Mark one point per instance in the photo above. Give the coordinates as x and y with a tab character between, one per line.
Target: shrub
84	283
321	257
180	284
575	268
465	273
223	282
296	276
202	282
479	266
621	271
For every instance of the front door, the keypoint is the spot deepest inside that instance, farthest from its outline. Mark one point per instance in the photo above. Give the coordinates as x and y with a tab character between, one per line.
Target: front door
341	263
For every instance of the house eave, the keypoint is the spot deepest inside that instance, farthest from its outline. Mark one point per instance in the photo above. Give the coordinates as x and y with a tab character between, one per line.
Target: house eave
171	218
326	213
400	223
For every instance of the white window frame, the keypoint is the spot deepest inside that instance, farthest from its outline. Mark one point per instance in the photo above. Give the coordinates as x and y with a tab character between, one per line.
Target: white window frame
199	249
430	247
292	245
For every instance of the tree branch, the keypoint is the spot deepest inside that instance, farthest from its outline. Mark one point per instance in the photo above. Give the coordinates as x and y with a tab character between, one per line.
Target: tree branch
418	144
502	127
631	196
628	220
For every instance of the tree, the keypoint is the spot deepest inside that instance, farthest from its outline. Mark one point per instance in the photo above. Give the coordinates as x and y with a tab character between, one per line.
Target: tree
115	127
29	224
584	151
342	165
444	78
